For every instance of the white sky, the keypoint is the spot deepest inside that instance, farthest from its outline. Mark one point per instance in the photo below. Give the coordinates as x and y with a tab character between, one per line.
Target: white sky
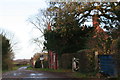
13	18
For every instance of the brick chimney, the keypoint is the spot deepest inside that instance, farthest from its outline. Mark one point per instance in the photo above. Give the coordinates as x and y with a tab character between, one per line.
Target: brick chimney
96	24
98	29
49	27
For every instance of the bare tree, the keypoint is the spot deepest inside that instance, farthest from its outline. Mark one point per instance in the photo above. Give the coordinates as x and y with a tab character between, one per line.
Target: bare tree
41	22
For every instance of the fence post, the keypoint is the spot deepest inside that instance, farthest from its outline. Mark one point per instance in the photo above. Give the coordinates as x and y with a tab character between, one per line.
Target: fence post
96	60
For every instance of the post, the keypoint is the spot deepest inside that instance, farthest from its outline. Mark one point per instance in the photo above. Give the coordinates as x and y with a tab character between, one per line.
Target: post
96	60
42	63
41	59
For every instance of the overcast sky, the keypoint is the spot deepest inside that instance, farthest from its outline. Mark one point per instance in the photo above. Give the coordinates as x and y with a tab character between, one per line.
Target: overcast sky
13	18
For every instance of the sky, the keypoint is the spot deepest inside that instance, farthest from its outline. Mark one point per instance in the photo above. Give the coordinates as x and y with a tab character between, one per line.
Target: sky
14	16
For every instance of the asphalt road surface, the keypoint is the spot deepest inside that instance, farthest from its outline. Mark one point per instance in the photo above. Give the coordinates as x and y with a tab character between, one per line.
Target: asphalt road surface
23	74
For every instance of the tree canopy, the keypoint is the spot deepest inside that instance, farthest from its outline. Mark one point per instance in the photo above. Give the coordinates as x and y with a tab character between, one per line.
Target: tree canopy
108	12
66	35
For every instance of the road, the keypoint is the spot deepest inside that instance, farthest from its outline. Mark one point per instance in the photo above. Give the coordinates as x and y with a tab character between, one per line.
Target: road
23	74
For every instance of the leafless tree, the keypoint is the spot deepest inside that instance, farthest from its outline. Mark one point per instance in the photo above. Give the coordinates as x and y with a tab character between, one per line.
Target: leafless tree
41	22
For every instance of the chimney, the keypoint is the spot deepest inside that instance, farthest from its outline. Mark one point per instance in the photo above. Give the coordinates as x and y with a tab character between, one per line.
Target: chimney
96	24
49	27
